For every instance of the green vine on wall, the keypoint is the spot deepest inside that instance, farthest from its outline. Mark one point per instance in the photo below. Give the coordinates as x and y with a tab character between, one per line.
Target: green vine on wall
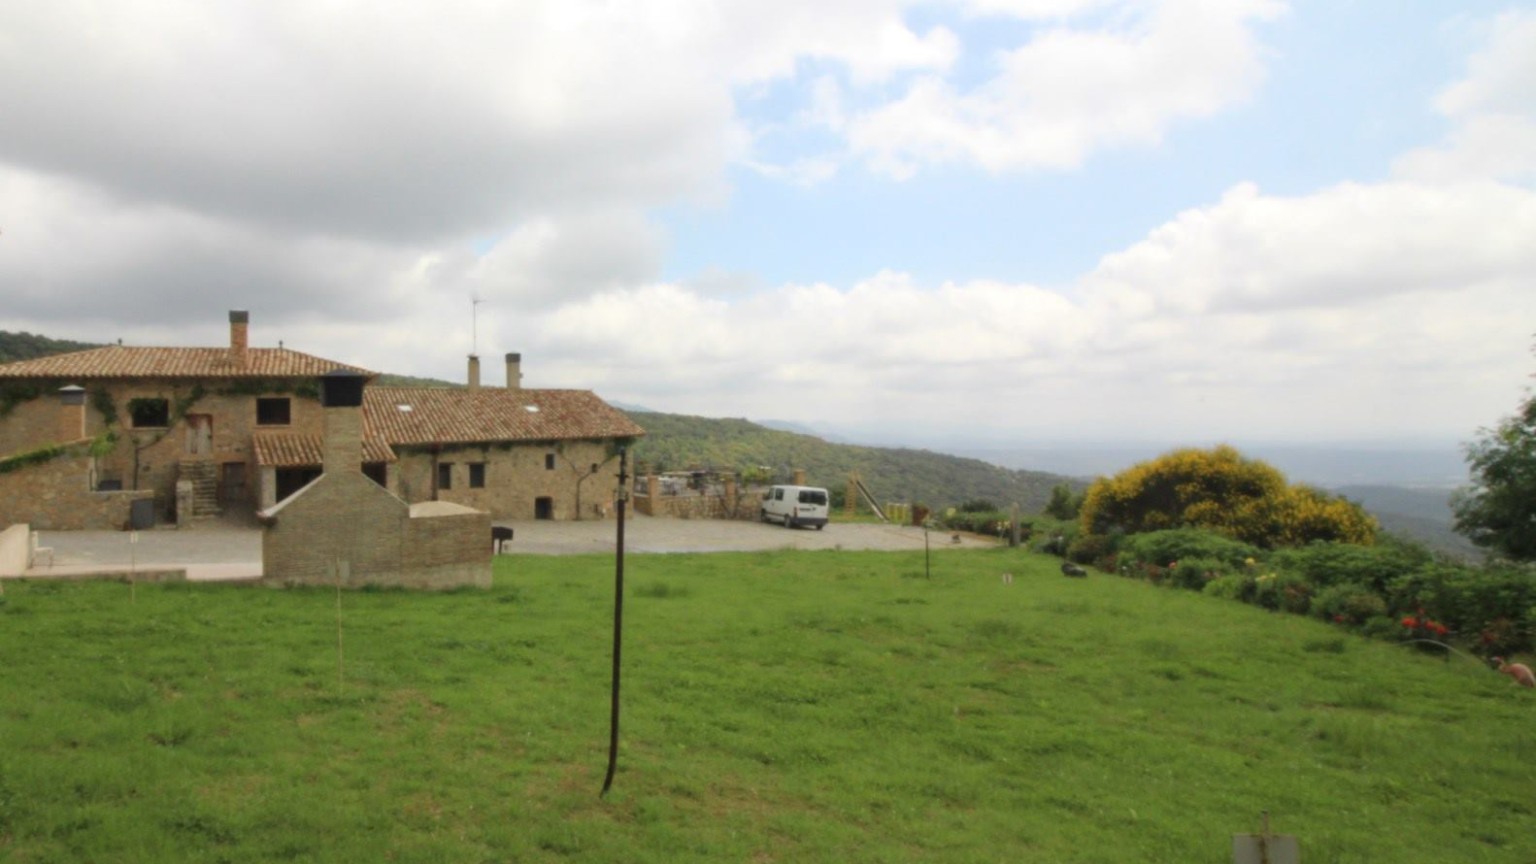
31	457
13	393
304	388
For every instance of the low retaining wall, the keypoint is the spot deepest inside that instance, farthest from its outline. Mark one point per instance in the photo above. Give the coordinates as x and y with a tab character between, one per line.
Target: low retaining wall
15	549
56	495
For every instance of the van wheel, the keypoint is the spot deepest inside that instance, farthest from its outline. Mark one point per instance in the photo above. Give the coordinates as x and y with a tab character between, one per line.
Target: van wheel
819	527
789	521
762	515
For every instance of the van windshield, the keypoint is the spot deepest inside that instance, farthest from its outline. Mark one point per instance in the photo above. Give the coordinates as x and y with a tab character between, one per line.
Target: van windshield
813	496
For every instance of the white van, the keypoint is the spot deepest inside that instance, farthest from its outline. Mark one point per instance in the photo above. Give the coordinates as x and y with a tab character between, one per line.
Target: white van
795	505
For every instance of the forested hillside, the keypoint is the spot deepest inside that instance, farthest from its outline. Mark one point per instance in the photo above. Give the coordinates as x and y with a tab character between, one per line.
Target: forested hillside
25	346
676	442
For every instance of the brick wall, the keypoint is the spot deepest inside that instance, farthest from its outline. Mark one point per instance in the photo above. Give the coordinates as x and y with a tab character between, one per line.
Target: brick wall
345	517
58	495
341	517
30	425
515	477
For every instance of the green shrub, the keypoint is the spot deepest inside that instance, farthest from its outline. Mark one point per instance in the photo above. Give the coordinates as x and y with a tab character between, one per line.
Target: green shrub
1492	606
1165	547
1348	604
1325	564
1093	549
1194	573
1382	627
993	523
1233	586
978	505
1286	592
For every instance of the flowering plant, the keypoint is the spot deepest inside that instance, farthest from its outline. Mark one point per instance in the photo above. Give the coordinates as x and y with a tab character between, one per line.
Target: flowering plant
1422	626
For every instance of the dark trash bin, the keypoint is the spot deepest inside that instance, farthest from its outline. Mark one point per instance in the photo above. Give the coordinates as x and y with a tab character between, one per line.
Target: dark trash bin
141	514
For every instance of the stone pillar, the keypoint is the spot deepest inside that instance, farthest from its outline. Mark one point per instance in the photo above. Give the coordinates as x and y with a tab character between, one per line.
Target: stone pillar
341	394
268	484
239	337
474	372
799	476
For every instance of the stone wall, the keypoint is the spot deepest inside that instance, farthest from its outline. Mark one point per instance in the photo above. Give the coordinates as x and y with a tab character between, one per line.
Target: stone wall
149	458
58	495
516	476
340	517
31	424
716	502
344	527
447	544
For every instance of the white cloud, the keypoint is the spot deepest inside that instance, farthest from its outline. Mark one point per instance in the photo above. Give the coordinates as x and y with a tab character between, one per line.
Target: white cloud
1493	110
1073	90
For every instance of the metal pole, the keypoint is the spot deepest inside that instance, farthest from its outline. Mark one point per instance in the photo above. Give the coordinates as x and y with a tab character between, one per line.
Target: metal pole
618	624
927	553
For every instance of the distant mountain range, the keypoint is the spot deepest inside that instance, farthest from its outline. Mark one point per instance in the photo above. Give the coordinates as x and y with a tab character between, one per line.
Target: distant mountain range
675	442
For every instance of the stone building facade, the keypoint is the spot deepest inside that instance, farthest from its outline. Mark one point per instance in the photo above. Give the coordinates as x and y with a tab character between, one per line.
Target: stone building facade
343	528
204	430
514	452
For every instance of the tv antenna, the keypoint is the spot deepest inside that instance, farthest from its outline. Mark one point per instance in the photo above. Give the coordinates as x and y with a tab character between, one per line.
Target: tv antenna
474	324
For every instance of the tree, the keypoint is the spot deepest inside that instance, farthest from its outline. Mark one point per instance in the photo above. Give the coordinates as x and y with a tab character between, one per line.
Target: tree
1221	490
1498	510
1063	504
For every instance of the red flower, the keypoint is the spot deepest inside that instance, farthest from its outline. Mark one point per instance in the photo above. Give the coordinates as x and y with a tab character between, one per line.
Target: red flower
1410	622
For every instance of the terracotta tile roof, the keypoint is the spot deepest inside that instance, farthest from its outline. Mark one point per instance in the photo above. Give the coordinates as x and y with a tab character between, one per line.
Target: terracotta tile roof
287	450
120	361
454	416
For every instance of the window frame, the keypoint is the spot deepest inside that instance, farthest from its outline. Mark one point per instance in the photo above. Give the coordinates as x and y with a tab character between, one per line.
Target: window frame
477	475
445	475
142	410
271	402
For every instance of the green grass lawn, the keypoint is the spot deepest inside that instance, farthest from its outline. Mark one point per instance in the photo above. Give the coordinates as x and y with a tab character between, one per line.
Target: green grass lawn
783	706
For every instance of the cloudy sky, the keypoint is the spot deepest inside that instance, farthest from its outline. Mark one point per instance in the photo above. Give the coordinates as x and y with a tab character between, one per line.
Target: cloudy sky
1005	220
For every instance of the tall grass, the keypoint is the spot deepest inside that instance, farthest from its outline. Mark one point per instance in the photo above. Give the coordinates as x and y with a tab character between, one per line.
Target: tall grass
779	706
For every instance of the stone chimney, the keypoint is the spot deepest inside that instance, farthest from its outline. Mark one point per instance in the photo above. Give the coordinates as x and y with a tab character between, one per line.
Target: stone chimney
474	372
341	393
514	371
239	337
71	413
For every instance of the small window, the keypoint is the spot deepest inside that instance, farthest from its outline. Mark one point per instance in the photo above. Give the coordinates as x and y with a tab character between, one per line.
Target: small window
150	413
274	411
445	475
477	475
549	461
594	467
813	496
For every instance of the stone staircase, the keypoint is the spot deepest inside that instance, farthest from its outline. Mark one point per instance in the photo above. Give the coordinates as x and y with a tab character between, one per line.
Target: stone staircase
204	477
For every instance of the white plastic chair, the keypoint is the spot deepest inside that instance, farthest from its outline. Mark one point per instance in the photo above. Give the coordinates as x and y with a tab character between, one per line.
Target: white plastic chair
39	550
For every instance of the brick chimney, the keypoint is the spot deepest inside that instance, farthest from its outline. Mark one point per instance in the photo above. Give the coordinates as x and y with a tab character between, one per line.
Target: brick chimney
341	394
239	337
71	413
474	372
514	371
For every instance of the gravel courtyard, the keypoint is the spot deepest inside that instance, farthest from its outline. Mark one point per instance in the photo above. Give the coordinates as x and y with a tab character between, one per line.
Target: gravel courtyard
223	552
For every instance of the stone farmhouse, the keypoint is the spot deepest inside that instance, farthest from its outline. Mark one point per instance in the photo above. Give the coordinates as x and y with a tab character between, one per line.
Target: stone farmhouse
117	435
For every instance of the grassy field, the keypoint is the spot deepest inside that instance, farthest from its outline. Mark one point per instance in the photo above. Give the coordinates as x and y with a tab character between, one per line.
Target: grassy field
825	706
